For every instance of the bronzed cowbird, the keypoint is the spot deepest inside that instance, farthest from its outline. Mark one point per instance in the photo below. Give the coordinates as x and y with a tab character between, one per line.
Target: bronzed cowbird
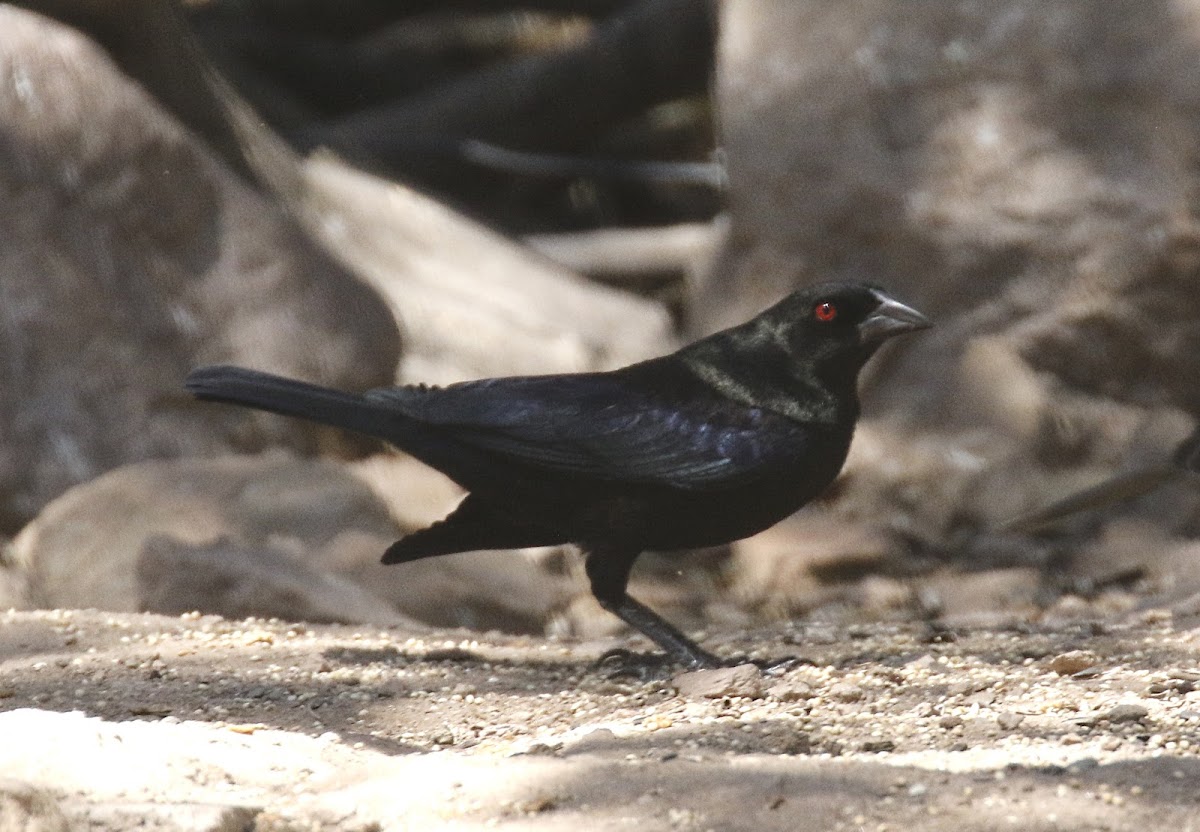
698	448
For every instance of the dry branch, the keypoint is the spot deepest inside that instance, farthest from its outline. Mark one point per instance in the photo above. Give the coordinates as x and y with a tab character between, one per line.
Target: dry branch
654	51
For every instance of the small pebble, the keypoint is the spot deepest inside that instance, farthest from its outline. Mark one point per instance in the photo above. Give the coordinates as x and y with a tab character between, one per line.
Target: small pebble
1075	661
846	692
1128	712
744	680
790	691
1008	720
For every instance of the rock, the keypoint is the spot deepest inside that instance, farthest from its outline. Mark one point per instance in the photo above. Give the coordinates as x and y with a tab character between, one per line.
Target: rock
971	598
14	594
27	808
525	315
601	739
238	581
878	746
1082	765
845	692
1134	547
791	742
930	180
131	255
1008	721
783	569
83	549
924	663
1073	661
415	494
981	698
745	680
966	687
265	536
473	303
481	590
1127	712
791	691
495	590
881	598
923	147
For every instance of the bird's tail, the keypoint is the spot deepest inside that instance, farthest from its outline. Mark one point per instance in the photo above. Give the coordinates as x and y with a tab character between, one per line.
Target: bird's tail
288	397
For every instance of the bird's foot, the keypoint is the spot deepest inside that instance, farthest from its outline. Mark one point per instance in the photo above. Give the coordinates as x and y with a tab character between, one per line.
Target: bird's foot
648	667
781	665
645	667
698	659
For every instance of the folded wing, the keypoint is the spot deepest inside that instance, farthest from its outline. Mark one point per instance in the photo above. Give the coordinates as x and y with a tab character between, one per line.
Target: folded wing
599	426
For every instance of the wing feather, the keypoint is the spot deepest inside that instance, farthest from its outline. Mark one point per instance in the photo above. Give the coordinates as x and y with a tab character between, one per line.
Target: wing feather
595	425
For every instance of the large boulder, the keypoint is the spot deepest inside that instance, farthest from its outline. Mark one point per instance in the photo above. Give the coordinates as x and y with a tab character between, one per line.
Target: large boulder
13	593
270	536
1023	172
104	544
237	580
131	255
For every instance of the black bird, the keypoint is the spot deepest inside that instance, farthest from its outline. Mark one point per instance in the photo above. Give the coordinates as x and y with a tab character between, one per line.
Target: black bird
702	447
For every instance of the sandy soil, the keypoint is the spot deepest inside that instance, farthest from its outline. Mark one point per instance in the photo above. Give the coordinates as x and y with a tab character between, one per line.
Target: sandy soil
142	721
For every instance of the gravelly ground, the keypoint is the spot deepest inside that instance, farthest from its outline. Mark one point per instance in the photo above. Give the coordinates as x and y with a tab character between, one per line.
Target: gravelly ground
289	726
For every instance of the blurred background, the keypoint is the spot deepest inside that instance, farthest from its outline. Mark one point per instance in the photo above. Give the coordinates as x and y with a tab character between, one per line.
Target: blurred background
363	192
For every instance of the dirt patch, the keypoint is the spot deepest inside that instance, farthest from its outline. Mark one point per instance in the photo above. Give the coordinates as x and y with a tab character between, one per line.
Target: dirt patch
205	723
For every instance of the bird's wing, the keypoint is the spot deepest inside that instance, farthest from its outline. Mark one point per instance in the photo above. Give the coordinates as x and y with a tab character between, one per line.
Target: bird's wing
597	426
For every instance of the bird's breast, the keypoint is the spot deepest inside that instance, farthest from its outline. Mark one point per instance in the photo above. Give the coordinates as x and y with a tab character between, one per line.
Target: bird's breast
758	498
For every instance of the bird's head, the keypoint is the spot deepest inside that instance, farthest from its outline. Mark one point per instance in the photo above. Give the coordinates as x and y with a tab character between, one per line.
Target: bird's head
846	320
815	340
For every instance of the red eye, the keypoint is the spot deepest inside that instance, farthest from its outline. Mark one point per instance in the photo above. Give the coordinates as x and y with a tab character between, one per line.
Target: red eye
825	312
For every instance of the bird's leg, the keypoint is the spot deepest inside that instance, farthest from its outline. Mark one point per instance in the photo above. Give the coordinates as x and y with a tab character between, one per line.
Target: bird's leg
678	646
608	570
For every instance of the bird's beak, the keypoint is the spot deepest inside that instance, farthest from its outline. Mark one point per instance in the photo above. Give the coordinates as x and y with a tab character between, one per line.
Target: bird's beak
890	318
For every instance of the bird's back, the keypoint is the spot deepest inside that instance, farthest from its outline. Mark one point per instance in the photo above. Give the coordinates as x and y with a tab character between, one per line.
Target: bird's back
650	452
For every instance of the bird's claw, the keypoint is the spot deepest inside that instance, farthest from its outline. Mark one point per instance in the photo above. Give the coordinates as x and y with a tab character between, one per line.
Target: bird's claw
620	662
782	665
